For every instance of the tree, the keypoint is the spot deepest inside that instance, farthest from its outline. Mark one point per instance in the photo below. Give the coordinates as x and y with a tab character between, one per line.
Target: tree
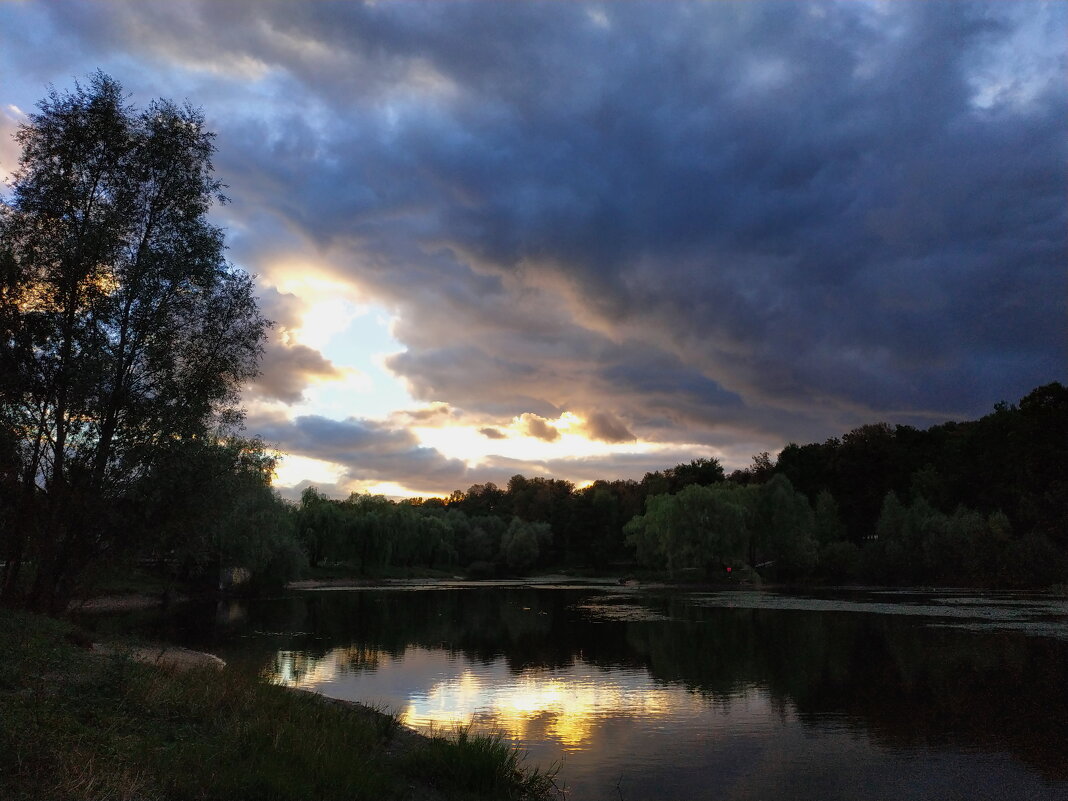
782	529
695	529
827	526
520	546
319	524
697	471
207	507
124	328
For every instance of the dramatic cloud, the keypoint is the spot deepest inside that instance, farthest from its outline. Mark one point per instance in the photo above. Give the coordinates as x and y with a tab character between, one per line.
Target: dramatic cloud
438	413
288	367
365	450
538	427
286	370
789	215
724	225
606	427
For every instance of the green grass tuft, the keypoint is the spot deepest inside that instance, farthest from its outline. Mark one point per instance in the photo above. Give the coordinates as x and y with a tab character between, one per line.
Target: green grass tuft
481	765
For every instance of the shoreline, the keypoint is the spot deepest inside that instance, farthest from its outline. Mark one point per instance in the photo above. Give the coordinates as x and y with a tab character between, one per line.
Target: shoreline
165	656
171	722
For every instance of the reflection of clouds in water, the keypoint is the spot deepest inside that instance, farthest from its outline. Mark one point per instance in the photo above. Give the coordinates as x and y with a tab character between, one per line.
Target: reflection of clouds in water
565	706
295	669
433	689
737	734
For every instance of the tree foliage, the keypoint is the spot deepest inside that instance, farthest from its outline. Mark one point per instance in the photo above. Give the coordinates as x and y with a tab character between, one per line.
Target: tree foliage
1011	460
124	329
372	534
699	528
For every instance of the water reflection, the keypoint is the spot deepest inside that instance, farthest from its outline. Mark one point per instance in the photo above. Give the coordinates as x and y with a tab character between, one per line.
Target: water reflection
564	706
681	696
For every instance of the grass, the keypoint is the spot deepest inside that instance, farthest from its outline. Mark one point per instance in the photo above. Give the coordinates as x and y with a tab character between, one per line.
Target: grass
482	766
76	724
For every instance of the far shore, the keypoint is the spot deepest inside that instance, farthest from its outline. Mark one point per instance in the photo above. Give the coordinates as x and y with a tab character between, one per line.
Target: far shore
132	601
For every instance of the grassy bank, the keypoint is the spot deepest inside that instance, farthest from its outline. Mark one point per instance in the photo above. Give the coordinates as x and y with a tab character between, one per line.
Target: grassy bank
78	724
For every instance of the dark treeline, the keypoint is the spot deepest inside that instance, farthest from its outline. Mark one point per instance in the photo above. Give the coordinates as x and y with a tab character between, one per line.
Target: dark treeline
975	503
1010	461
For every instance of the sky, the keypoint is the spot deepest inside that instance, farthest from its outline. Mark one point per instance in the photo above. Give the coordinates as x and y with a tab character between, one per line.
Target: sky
589	240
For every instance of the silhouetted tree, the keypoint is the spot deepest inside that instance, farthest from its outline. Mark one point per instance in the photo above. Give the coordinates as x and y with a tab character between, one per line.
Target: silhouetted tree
124	328
782	528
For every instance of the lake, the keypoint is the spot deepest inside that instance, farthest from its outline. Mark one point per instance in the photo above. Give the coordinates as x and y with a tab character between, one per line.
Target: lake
655	694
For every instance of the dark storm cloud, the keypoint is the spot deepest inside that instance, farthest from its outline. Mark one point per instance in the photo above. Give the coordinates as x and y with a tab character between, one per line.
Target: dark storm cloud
341	441
802	211
720	222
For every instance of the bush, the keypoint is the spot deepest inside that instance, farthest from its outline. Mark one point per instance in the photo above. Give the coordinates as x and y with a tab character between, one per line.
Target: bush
1034	561
840	561
481	570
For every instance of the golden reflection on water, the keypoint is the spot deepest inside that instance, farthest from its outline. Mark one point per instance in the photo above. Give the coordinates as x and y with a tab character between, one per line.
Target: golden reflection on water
563	705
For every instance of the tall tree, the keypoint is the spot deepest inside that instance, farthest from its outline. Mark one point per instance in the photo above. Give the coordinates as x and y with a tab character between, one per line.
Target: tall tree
124	328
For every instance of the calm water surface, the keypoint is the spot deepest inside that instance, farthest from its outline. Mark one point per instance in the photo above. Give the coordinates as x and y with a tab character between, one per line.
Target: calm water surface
640	694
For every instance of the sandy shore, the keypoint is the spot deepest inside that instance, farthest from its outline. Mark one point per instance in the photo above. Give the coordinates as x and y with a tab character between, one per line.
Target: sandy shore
170	656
